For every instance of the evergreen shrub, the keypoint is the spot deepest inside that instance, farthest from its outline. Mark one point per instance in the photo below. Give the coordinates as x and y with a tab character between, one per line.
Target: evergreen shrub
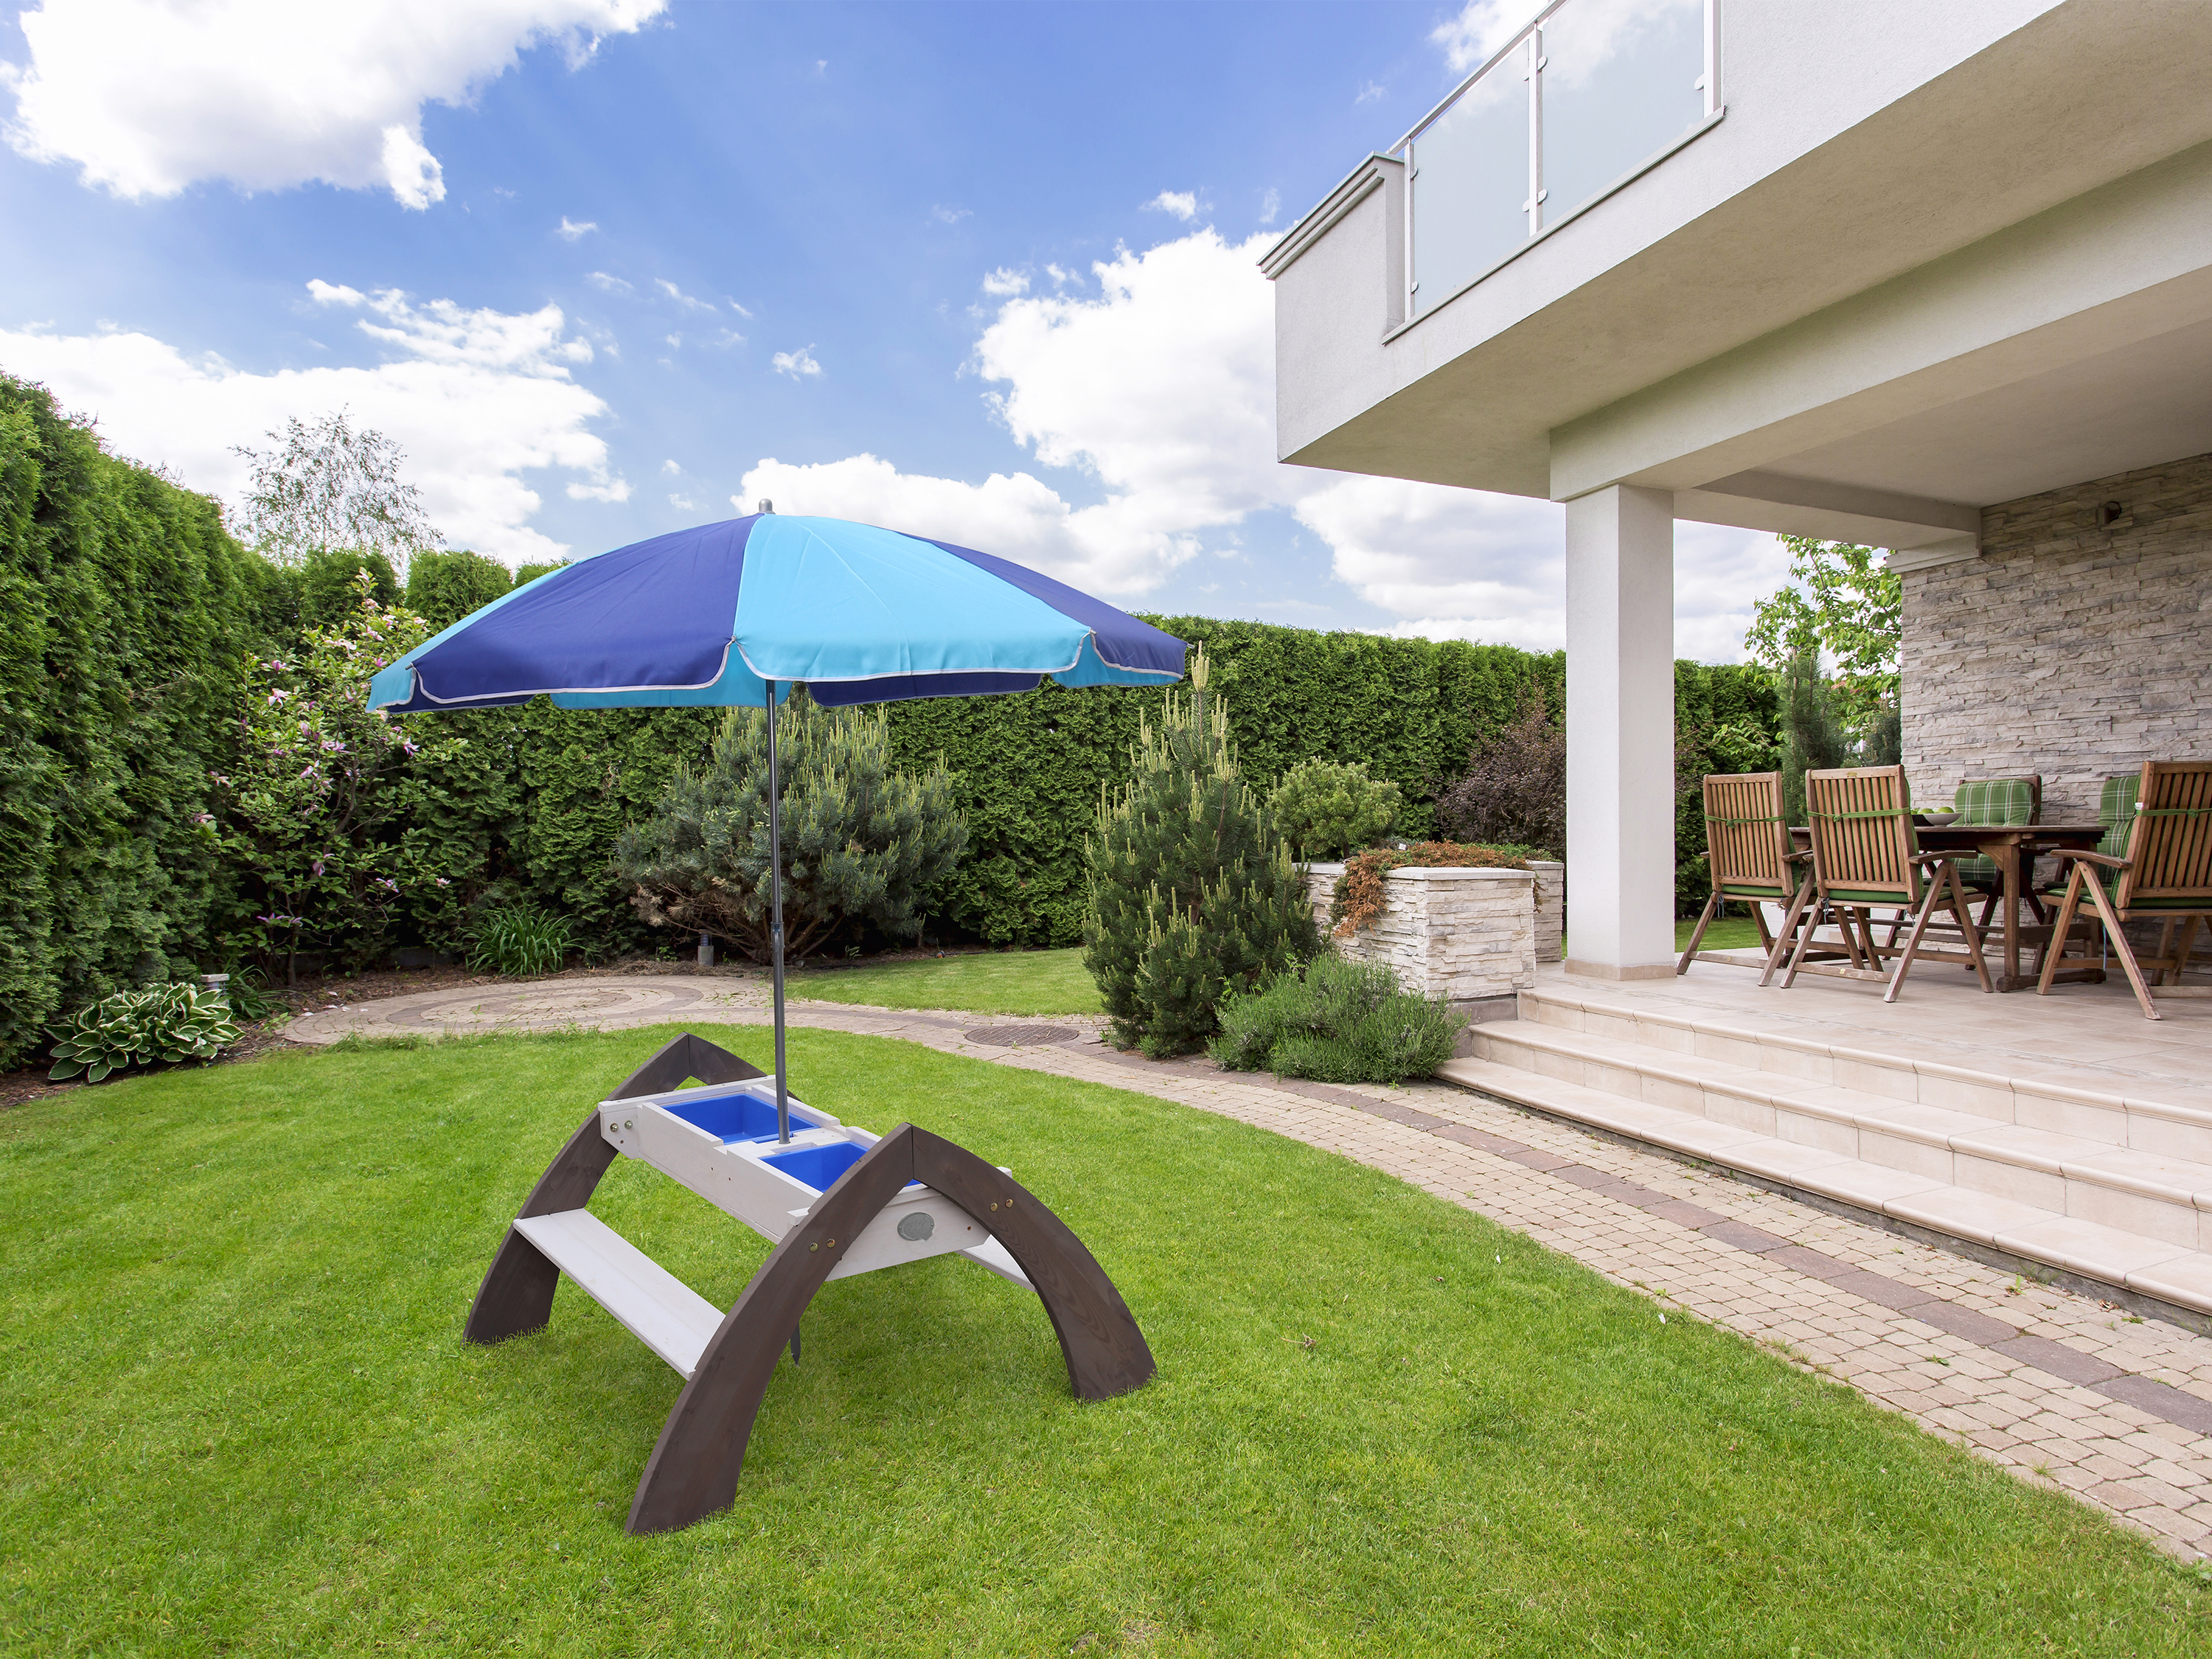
1336	1021
1193	892
1327	809
862	840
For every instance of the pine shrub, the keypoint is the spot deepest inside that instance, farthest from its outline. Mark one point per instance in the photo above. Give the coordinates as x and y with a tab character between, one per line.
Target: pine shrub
1336	1021
1193	893
863	842
1327	809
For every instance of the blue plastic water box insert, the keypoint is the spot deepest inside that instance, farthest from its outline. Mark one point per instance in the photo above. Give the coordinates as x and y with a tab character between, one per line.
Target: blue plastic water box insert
735	1117
818	1167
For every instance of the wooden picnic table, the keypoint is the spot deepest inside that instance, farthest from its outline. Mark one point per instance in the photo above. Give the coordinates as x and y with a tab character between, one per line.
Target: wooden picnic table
2013	849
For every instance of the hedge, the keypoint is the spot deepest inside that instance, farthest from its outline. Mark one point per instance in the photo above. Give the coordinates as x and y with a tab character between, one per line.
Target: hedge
126	614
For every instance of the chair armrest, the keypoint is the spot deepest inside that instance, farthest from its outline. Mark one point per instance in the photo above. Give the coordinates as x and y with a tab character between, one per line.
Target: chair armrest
1932	858
2104	859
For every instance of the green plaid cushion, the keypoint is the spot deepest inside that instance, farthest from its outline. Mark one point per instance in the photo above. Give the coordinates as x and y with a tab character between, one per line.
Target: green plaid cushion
2116	810
1991	801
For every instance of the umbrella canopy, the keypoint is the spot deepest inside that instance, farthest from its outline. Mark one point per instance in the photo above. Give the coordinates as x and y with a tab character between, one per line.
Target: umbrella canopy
731	613
713	616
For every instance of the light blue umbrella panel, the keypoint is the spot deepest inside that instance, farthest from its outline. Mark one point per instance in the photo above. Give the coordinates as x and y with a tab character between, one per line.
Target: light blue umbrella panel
731	614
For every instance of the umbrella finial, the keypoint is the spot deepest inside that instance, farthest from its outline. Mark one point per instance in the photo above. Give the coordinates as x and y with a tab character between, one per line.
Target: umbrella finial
766	504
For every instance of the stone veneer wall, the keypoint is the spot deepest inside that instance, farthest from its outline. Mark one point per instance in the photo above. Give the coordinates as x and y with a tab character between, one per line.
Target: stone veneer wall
1465	935
2070	647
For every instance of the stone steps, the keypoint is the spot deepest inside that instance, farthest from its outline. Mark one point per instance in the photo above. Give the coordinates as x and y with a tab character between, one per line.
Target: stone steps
2109	1187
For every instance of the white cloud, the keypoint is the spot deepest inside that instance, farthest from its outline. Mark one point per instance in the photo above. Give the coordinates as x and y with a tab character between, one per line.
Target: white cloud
683	503
949	216
1373	90
1004	282
1062	278
1578	38
670	470
570	231
475	398
687	301
615	490
606	284
725	339
675	341
149	97
735	306
1182	203
800	364
1156	399
1270	206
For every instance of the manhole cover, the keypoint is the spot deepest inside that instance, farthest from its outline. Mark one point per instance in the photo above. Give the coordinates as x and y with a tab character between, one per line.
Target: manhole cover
1020	1036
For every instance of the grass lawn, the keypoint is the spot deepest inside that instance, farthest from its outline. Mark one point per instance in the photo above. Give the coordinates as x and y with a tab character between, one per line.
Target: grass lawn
993	982
238	1417
1727	934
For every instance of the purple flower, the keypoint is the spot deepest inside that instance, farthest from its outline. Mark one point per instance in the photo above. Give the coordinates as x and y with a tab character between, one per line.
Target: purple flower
411	747
319	866
388	882
278	696
442	882
308	771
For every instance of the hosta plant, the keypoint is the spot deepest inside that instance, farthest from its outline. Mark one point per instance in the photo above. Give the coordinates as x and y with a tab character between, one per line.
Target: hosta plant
164	1023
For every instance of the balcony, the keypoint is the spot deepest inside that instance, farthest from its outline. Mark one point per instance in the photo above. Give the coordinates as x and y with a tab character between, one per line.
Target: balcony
1588	95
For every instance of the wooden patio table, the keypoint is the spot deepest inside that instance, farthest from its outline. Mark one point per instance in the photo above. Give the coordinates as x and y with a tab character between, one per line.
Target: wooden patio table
2013	849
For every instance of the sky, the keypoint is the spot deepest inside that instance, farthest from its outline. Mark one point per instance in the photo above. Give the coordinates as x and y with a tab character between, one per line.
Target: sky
608	268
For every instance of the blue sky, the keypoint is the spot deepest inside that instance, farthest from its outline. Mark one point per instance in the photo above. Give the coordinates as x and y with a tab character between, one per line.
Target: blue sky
603	266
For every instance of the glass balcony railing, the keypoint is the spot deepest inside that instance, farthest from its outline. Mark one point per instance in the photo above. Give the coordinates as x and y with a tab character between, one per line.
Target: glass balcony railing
1584	95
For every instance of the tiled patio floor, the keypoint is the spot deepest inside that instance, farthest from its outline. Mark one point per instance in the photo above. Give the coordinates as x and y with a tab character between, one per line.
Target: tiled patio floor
2061	1388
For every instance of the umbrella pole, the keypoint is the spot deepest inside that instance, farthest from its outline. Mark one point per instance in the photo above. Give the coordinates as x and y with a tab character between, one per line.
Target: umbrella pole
776	914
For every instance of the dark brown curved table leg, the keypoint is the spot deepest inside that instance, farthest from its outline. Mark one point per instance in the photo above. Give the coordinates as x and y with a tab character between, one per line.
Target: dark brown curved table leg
695	1467
517	1293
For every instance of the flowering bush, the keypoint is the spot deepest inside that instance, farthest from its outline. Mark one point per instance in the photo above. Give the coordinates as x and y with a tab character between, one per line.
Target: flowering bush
311	811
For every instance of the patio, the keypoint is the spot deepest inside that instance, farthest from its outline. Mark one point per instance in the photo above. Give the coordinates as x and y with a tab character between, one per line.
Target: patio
2064	1135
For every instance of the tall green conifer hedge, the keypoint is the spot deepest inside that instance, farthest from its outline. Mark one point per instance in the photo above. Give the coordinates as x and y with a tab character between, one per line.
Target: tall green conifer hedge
125	615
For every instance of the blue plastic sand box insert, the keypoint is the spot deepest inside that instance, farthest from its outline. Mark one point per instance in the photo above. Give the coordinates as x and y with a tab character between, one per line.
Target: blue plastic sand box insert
817	1166
736	1116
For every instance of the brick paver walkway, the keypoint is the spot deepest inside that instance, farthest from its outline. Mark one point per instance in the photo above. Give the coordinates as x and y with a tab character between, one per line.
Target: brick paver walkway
2060	1387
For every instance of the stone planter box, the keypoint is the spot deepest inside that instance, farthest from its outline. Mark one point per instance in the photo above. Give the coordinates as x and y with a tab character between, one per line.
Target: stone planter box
1471	936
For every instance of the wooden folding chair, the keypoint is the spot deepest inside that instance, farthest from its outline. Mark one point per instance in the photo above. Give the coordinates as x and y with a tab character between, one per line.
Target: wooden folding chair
1866	858
1748	855
2165	873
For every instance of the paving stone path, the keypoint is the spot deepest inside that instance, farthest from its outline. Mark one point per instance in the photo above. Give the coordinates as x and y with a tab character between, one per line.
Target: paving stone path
2064	1390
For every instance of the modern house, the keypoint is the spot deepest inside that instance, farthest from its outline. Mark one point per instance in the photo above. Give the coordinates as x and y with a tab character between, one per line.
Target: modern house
1936	279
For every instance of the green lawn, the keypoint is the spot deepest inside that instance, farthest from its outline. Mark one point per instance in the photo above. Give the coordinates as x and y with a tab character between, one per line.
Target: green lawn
238	1417
1726	934
993	982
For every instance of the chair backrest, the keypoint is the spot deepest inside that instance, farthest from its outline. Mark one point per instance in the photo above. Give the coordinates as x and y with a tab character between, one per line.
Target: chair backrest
2000	801
2116	810
1995	800
1747	835
2170	844
1862	839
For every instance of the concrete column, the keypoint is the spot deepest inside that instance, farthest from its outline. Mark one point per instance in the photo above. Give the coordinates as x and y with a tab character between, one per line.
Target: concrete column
1620	733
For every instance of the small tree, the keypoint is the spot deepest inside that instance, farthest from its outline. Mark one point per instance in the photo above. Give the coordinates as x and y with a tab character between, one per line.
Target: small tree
324	486
1514	792
1193	893
1812	734
1327	810
1842	602
861	842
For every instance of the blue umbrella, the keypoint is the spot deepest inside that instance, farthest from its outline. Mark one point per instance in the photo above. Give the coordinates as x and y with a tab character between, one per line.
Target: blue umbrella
732	613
